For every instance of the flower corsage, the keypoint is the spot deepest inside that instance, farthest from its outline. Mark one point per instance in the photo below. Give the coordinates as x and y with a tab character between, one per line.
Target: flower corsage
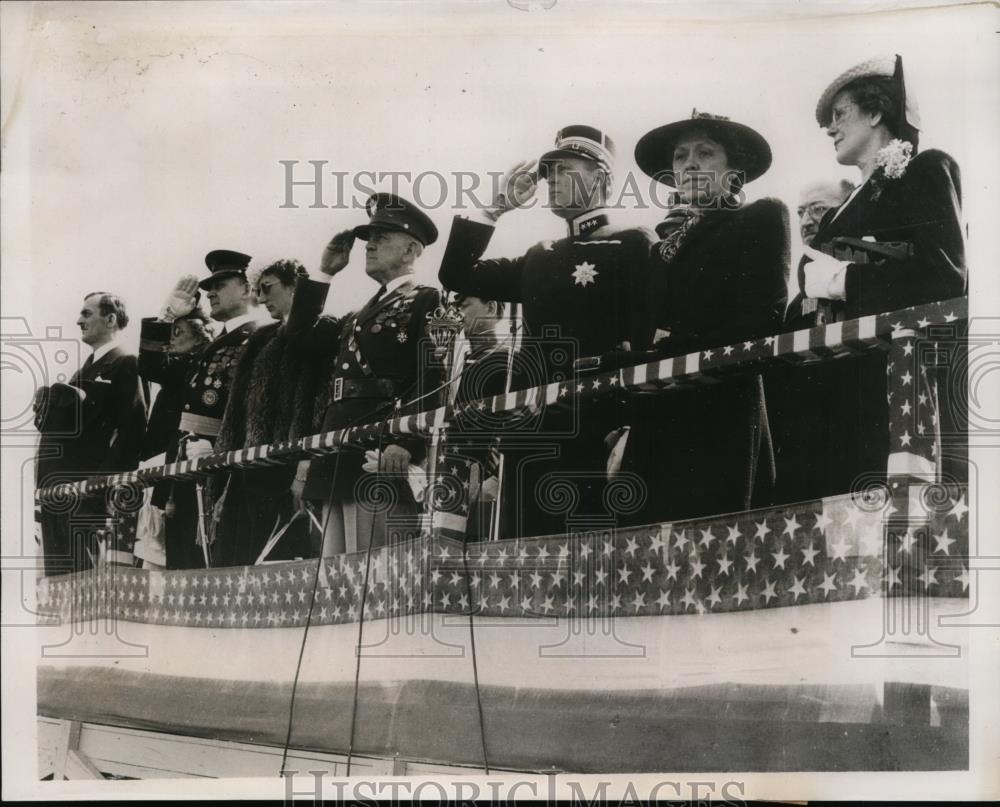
890	164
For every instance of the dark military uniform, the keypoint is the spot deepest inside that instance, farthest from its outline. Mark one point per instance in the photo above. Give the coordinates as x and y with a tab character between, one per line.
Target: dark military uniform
377	356
582	295
382	355
204	390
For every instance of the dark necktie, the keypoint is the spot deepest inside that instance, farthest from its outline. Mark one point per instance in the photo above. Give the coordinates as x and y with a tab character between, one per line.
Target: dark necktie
87	363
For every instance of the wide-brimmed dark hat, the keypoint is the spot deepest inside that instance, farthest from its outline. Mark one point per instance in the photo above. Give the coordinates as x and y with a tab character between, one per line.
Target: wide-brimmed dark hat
387	211
886	67
654	153
223	263
580	141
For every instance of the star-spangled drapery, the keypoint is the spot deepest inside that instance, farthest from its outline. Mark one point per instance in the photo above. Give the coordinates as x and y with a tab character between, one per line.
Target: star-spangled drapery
816	552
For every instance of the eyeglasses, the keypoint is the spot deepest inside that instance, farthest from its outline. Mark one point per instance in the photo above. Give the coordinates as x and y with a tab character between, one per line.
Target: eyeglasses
816	210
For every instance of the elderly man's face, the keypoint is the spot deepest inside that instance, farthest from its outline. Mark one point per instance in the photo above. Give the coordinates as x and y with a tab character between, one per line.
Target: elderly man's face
814	201
388	254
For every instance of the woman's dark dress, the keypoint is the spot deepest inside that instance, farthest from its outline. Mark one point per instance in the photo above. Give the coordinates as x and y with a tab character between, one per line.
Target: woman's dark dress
705	449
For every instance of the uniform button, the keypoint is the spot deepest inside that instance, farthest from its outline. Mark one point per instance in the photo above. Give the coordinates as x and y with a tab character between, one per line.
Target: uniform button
357	327
187	406
345	366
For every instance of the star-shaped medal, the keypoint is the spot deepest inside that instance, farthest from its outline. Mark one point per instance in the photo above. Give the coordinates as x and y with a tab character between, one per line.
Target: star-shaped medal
584	273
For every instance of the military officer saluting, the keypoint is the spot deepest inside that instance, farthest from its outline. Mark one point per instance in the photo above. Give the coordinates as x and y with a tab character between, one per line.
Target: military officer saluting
380	355
588	287
206	382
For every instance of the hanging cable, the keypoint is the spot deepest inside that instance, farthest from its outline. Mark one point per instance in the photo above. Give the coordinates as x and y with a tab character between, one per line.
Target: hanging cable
315	583
364	600
475	662
312	595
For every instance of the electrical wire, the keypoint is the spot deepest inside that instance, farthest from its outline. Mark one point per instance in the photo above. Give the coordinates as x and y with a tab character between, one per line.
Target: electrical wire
361	615
312	595
315	585
475	662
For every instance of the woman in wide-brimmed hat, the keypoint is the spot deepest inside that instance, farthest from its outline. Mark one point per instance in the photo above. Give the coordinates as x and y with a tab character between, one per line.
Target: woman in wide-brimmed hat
718	277
895	242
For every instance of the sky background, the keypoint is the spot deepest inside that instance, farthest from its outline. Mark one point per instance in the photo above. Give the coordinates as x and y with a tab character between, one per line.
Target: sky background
141	136
136	137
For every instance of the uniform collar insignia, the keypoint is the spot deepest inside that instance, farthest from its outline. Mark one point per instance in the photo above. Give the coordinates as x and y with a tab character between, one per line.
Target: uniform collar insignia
588	222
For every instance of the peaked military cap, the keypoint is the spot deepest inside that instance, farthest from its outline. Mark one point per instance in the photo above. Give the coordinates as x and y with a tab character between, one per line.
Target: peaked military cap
387	211
223	263
580	141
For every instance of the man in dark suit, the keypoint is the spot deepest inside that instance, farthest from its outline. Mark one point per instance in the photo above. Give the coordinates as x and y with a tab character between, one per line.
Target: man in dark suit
791	390
382	357
581	295
92	425
206	382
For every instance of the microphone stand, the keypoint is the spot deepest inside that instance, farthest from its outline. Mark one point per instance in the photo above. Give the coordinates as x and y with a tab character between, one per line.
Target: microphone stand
508	382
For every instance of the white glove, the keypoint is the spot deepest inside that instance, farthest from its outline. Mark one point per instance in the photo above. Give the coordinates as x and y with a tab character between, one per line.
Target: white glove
181	300
197	448
489	490
416	477
516	189
826	277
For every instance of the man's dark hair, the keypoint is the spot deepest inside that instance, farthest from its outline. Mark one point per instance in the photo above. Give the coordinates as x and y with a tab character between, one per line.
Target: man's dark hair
110	304
499	303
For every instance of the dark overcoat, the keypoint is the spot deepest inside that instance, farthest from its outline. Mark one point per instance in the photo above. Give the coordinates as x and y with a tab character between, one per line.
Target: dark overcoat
836	437
705	449
277	394
101	435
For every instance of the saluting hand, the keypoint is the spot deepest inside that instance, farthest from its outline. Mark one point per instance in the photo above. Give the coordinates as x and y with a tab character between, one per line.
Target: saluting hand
337	253
517	188
182	299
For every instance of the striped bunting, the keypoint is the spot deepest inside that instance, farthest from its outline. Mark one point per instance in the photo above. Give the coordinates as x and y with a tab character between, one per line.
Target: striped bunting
704	367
